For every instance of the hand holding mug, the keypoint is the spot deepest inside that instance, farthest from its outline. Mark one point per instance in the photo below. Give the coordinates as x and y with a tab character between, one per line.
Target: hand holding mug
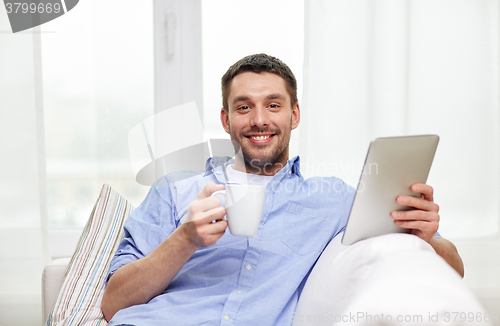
198	226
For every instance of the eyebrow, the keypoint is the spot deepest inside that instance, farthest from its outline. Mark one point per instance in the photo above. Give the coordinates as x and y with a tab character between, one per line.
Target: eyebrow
240	98
275	96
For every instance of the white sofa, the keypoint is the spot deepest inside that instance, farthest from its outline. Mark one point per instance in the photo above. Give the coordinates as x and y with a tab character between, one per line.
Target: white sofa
52	278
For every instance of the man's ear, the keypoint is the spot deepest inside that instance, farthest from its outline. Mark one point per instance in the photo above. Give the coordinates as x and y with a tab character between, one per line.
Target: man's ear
224	119
295	116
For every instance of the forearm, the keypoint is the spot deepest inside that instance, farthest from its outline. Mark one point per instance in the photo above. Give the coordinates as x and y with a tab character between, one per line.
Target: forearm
140	281
448	251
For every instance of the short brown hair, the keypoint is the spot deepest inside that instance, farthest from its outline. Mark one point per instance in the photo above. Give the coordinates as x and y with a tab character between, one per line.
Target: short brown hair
259	63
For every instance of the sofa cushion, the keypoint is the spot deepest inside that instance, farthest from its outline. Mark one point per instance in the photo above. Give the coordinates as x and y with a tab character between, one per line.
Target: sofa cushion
79	299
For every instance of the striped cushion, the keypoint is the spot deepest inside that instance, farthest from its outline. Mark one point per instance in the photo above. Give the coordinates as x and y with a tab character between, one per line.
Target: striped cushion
79	299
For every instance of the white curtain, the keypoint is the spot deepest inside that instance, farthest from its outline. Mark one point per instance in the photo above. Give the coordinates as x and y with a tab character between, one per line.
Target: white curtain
375	68
23	218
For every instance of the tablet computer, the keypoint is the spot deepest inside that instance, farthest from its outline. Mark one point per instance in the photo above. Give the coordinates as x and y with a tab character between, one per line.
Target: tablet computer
392	165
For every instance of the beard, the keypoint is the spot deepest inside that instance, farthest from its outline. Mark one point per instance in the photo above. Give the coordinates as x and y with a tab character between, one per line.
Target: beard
256	158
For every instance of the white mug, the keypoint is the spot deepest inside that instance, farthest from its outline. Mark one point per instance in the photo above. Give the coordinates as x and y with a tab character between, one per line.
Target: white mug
243	208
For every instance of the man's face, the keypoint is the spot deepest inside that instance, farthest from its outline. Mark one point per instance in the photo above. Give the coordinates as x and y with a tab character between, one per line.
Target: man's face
260	118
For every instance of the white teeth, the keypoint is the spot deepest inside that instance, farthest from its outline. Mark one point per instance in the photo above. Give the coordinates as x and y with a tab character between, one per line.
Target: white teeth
260	137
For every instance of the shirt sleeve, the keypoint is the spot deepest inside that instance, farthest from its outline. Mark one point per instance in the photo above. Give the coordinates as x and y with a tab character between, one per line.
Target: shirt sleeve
147	226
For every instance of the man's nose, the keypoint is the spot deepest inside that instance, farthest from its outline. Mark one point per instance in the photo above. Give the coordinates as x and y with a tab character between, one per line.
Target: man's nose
260	117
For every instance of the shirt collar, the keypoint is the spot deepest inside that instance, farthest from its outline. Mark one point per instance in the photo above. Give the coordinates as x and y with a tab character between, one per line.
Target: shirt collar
216	164
295	165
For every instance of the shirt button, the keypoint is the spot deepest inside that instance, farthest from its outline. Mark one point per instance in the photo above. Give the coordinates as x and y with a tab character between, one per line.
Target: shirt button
290	172
226	317
239	292
248	267
255	235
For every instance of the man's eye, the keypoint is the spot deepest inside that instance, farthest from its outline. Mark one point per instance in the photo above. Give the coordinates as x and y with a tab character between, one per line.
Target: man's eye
273	106
244	107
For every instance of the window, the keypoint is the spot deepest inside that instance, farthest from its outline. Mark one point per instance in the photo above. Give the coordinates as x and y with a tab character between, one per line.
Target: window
98	77
230	33
98	83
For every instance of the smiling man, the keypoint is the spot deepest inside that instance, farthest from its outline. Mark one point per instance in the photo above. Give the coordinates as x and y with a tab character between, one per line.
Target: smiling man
259	113
178	263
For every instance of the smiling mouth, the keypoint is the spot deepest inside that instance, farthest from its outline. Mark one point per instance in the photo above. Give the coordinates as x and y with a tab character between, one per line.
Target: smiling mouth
260	139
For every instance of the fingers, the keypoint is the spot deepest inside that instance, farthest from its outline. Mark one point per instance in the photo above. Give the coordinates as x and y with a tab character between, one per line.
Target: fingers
218	227
205	206
209	189
422	224
424	230
207	233
214	214
415	215
203	235
205	210
198	225
211	228
424	219
424	189
418	203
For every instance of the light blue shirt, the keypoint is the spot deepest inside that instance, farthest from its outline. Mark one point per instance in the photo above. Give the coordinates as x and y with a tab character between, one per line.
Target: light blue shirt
239	280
